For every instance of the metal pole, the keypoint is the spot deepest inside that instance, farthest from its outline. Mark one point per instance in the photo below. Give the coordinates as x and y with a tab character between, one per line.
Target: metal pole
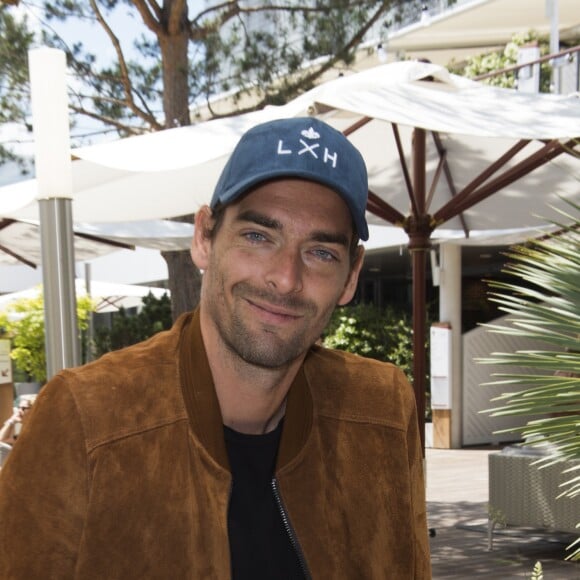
58	277
91	328
49	104
418	246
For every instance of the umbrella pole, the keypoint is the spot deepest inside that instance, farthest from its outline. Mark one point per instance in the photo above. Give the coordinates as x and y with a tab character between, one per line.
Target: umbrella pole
419	333
419	231
419	228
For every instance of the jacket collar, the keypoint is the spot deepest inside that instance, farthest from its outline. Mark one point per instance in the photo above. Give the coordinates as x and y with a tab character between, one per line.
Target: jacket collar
203	407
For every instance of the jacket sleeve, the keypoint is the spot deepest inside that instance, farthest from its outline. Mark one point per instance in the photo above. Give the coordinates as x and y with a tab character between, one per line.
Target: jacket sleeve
416	466
43	491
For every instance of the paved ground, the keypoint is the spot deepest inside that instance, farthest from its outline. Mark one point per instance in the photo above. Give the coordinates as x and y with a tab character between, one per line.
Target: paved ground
457	496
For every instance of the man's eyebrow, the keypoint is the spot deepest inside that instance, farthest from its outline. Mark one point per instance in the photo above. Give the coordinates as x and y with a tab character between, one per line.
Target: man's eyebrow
258	218
331	238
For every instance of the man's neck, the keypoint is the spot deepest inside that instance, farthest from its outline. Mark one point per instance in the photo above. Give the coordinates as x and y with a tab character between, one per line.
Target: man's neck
252	399
245	416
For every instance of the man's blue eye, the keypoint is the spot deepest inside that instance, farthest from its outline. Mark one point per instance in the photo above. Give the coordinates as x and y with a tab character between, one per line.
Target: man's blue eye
255	236
324	255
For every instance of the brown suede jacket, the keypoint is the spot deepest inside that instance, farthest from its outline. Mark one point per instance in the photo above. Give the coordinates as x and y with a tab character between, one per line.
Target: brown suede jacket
122	473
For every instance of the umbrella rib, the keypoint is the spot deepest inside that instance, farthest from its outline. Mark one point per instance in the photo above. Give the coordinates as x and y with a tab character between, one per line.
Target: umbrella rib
105	241
356	126
440	165
17	256
382	209
6	222
404	167
375	204
547	153
444	163
455	206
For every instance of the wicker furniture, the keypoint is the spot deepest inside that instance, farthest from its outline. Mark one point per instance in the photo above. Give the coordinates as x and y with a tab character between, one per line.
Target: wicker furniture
523	494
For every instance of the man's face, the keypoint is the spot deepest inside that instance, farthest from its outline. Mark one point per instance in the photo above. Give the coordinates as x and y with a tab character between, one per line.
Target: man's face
276	269
24	409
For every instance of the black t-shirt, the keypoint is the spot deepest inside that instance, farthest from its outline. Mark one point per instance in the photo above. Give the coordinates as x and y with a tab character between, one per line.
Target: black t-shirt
260	546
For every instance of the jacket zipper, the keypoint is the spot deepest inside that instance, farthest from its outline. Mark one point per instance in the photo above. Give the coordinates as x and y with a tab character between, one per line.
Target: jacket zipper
290	530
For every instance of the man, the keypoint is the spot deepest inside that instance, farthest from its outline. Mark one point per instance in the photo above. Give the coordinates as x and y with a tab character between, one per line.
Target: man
13	425
230	446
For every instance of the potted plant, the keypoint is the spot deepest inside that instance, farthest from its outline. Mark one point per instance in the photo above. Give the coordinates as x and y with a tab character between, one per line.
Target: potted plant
543	302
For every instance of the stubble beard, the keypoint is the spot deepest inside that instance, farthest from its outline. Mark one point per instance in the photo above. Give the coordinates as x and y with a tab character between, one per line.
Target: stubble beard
264	347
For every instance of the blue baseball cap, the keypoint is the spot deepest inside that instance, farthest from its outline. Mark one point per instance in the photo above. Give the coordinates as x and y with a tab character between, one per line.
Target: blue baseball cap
301	147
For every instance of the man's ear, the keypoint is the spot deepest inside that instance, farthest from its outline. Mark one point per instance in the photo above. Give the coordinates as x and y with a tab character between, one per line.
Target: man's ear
201	242
352	280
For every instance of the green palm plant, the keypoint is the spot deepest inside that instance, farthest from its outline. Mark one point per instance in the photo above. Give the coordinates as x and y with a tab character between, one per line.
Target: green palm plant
544	305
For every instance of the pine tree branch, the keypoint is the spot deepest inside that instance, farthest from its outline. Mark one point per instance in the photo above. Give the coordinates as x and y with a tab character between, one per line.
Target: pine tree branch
124	76
226	11
151	14
307	80
116	123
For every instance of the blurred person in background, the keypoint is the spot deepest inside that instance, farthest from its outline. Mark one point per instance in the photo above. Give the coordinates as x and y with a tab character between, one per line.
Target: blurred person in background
12	426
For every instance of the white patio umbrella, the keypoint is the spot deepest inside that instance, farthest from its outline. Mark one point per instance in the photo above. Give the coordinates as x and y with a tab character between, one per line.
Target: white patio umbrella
108	296
480	158
444	151
173	172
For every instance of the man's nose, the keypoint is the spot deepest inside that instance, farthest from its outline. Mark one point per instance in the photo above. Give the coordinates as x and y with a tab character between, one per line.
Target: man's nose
285	271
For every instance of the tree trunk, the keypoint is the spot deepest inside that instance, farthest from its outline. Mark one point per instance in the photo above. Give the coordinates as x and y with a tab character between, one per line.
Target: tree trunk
184	282
184	276
174	45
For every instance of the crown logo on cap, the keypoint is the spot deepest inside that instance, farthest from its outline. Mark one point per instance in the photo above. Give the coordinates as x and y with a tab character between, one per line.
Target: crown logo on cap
310	133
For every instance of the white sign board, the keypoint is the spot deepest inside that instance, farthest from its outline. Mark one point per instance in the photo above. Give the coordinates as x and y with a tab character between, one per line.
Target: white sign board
440	367
5	362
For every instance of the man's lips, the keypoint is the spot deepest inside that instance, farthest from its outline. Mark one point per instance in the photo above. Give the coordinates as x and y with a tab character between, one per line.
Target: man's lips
278	308
274	310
